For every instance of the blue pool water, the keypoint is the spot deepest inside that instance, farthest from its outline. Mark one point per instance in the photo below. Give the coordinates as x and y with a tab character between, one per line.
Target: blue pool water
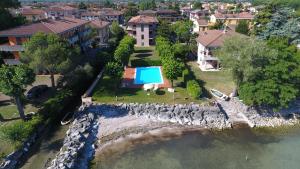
146	75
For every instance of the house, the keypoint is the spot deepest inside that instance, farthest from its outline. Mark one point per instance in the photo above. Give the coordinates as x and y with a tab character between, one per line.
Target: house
64	11
90	16
185	11
102	28
148	12
168	15
231	19
112	15
75	31
208	41
143	29
32	15
198	14
200	25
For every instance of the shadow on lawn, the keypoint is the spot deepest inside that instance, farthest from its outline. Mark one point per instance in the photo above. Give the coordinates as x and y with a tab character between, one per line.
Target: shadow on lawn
143	55
143	51
205	92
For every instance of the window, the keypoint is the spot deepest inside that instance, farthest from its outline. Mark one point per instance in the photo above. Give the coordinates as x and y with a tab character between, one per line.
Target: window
142	28
142	36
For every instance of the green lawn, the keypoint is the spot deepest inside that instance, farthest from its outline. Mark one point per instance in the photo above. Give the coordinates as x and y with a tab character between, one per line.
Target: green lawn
105	93
220	80
144	56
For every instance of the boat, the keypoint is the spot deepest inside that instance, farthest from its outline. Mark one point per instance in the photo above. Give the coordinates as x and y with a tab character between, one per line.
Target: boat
219	94
68	118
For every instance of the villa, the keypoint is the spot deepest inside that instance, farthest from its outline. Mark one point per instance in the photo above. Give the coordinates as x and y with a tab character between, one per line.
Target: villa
231	19
76	31
207	42
143	29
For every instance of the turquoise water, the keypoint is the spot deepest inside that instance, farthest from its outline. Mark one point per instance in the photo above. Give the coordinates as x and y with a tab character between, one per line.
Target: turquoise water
147	75
237	149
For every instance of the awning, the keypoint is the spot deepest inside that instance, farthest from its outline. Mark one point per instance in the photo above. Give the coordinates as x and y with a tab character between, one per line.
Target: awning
8	48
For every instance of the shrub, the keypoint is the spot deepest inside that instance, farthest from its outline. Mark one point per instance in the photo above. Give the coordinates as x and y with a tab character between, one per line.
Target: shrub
145	62
194	89
16	133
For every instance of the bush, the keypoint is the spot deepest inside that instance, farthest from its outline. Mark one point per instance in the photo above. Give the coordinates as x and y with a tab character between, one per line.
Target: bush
194	89
18	132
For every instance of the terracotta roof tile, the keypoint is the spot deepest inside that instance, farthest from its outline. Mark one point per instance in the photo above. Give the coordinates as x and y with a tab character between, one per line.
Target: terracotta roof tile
29	11
202	22
99	23
214	38
242	15
143	19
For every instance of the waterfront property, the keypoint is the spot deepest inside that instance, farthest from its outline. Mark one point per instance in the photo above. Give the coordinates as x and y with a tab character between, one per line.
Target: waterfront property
143	29
208	41
76	31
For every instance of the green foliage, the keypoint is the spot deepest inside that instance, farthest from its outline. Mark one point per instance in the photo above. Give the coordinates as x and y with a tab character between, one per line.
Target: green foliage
15	79
172	69
242	27
7	20
182	30
180	51
197	5
16	133
130	11
147	4
114	69
49	53
116	31
266	74
283	23
145	62
164	30
218	25
82	5
194	89
124	50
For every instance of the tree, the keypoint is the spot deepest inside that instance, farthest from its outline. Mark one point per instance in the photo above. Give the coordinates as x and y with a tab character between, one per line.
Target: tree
116	30
115	71
180	51
164	30
130	11
218	25
124	50
82	5
242	27
49	53
194	89
197	5
182	30
172	69
13	82
7	20
146	4
243	56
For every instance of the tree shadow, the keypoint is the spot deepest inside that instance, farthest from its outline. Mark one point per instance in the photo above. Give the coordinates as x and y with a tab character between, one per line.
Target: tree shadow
143	51
143	55
205	92
160	92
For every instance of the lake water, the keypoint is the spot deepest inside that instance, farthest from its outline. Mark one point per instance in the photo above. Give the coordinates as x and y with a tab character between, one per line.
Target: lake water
234	149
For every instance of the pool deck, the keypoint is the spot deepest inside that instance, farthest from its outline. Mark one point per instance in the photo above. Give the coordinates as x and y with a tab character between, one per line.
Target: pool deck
128	80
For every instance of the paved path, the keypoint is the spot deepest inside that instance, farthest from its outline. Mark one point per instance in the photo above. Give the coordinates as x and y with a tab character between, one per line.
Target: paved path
234	112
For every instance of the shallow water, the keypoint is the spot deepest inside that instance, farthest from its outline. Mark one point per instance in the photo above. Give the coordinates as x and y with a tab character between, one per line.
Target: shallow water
234	149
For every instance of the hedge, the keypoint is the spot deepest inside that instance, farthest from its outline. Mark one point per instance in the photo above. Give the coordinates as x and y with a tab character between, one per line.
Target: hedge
194	89
145	62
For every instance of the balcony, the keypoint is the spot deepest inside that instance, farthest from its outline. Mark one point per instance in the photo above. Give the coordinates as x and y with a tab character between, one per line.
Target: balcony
14	48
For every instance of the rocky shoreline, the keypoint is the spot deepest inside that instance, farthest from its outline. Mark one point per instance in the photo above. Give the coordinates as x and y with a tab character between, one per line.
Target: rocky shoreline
81	143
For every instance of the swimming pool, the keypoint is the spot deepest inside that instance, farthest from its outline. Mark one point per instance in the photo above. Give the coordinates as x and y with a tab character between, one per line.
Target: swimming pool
147	75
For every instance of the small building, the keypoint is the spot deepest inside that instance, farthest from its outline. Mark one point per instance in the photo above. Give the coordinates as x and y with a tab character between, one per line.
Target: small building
90	16
64	11
231	19
75	31
32	15
168	15
200	25
143	29
102	28
208	41
112	15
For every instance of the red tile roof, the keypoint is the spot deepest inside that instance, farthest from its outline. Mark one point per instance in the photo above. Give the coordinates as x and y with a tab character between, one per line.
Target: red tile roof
99	24
29	11
214	38
143	19
49	26
242	15
202	22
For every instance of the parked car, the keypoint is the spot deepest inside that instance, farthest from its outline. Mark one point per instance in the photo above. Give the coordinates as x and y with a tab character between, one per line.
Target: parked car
36	91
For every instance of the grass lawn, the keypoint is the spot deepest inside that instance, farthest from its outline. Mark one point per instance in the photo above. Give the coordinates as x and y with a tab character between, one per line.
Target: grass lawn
220	80
105	93
144	56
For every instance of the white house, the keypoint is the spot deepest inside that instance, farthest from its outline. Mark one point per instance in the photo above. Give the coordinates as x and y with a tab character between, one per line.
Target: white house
208	41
